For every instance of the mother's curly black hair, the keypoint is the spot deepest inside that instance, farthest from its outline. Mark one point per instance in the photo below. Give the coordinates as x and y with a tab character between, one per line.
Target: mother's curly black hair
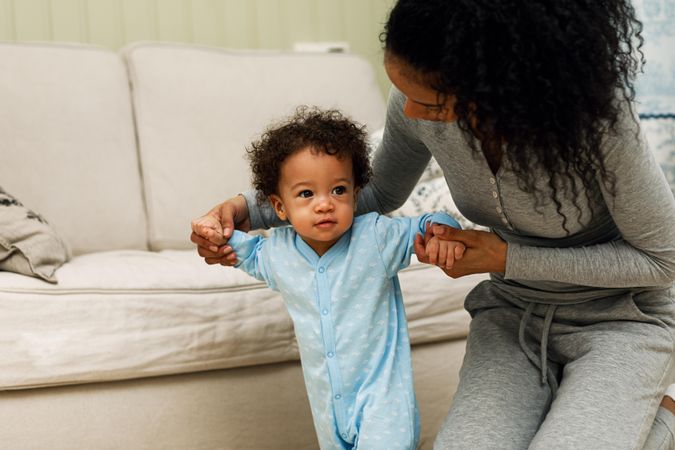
545	78
327	131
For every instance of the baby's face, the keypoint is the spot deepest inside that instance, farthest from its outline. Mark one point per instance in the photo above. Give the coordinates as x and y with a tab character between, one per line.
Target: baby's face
317	195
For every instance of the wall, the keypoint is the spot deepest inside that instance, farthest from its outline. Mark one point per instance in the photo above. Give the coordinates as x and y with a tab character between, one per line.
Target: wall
656	86
250	24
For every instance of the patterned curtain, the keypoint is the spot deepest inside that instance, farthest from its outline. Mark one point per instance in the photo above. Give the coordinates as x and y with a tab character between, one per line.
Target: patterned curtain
656	86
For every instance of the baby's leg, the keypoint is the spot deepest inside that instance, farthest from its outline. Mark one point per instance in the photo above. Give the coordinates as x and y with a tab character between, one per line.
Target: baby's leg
388	426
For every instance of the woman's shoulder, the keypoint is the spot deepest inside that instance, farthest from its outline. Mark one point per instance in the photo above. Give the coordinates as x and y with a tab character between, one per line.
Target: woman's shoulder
395	104
396	97
624	134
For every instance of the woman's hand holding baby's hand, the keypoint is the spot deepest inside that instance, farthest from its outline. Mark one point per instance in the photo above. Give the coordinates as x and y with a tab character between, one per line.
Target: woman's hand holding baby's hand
485	252
443	253
212	231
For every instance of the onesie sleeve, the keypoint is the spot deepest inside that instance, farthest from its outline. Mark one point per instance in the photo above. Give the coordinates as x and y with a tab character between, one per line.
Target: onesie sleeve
395	237
643	209
251	259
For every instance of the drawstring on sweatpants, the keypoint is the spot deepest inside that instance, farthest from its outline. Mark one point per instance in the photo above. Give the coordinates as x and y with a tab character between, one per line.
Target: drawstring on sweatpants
547	375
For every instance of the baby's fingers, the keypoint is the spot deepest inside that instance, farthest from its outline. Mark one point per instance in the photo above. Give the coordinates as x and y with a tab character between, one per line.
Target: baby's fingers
449	260
432	251
443	254
213	235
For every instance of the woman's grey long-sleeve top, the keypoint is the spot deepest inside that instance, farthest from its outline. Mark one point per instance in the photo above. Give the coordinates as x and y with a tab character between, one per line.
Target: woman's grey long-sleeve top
628	242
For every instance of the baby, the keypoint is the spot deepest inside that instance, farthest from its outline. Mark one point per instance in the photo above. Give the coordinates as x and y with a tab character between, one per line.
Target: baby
338	276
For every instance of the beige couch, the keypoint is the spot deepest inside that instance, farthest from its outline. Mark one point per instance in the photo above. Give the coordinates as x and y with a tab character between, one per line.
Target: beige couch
141	345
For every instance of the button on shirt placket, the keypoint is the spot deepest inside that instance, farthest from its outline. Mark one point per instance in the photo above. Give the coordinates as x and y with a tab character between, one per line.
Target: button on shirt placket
327	332
497	198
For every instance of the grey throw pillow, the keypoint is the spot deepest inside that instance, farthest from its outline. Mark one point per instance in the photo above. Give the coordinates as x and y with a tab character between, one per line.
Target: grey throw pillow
28	244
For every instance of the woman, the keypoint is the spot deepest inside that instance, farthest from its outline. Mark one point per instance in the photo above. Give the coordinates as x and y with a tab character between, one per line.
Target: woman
526	106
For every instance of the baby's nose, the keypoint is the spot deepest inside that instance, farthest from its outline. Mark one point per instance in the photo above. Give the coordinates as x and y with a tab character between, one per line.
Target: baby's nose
324	203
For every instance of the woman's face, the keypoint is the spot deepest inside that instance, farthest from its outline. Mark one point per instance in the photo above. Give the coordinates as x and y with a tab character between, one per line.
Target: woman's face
422	101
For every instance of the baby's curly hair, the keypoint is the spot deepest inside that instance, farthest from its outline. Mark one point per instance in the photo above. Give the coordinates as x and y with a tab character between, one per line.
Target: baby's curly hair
547	78
326	131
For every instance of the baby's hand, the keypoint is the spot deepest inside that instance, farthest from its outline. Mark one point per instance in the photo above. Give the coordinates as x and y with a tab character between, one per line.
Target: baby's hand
444	253
209	228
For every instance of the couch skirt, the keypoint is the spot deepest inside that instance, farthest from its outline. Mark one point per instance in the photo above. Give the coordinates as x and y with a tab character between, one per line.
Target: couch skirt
258	408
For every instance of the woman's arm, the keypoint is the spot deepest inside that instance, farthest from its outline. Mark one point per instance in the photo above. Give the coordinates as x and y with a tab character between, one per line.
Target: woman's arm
398	163
642	207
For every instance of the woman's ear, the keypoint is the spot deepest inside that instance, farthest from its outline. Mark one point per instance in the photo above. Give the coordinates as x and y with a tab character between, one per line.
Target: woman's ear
278	206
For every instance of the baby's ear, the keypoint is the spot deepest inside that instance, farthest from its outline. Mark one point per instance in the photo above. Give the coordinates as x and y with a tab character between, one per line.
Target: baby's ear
278	206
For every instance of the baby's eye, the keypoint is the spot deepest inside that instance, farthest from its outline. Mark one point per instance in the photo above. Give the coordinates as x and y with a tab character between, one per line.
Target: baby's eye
305	194
339	190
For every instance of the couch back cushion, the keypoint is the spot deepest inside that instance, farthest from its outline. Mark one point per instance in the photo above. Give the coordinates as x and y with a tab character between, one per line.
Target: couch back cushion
67	143
197	108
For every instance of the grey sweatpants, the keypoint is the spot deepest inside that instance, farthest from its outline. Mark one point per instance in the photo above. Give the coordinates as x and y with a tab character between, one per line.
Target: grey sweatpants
606	365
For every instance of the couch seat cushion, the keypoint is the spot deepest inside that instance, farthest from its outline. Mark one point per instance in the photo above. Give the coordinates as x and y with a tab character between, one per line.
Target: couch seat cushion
129	314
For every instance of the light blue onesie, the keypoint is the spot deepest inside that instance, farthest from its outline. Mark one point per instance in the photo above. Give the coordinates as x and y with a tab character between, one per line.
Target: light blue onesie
347	310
